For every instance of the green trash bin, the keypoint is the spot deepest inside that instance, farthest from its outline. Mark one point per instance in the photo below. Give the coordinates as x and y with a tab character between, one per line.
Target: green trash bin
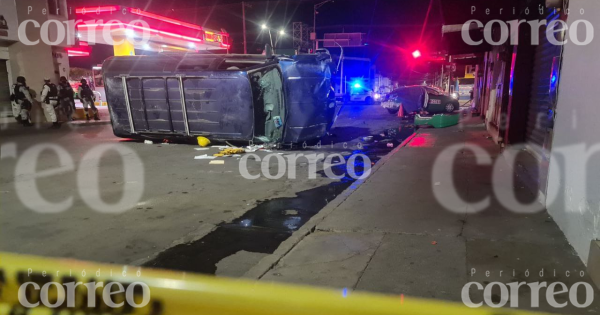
437	120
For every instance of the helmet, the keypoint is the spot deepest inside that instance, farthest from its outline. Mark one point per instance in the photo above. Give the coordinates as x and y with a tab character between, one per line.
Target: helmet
83	81
21	79
63	79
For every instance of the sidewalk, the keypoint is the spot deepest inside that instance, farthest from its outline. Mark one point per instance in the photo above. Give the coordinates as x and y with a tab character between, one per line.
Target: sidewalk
7	121
391	235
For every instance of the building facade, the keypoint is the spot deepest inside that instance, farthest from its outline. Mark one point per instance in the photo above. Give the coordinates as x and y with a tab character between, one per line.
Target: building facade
538	97
34	61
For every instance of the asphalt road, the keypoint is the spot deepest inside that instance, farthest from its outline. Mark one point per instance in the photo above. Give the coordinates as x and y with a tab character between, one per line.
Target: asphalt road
183	213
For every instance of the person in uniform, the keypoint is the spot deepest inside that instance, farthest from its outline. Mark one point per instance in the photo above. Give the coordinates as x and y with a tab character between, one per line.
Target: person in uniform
49	100
86	95
65	97
22	101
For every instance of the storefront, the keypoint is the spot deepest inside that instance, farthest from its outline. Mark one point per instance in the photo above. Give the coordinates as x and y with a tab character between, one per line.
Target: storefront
8	36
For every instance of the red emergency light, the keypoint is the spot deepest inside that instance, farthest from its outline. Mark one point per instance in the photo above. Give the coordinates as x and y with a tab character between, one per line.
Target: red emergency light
164	19
122	25
416	54
99	9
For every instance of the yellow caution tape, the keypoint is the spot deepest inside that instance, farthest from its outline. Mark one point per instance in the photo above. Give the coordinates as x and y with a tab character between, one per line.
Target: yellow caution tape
181	293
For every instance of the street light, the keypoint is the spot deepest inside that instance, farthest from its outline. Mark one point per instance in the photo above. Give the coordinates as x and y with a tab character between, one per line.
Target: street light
265	27
281	34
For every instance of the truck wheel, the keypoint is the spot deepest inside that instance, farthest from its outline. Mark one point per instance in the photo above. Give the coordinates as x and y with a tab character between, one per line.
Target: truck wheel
449	108
392	111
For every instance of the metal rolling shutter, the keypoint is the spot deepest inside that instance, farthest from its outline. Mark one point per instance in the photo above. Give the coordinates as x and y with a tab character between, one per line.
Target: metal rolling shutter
538	123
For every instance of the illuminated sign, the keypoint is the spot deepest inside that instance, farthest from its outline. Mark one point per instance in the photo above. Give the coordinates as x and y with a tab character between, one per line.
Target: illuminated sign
151	30
220	38
164	19
72	52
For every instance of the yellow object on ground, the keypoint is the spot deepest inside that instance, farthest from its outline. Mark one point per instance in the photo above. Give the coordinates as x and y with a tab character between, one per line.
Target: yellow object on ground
183	293
203	142
230	151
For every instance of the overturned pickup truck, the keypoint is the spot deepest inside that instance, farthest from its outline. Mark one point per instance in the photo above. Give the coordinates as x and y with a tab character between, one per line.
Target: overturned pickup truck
222	97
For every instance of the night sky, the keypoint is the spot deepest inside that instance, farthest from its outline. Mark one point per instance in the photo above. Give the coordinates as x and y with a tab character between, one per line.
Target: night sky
393	27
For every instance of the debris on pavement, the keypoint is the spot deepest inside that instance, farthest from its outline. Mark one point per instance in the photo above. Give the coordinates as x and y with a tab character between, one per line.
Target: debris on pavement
230	151
204	157
254	147
201	149
433	243
217	162
148	142
203	141
437	120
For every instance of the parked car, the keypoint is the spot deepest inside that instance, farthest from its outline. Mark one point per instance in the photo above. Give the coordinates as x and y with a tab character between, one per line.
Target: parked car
417	98
272	99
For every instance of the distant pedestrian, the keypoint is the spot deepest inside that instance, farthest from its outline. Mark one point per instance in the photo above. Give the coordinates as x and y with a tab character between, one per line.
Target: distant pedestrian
86	95
66	97
22	101
49	100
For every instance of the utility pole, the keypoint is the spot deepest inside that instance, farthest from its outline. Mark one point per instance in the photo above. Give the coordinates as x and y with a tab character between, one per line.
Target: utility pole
316	7
244	25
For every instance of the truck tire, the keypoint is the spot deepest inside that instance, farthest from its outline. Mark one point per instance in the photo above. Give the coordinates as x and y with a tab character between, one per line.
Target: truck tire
449	108
392	111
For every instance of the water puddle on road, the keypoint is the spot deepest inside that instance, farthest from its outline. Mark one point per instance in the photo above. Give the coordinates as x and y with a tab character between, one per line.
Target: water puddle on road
263	228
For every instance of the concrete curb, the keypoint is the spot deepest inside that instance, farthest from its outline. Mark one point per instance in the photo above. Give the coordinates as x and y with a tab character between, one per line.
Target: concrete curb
265	264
